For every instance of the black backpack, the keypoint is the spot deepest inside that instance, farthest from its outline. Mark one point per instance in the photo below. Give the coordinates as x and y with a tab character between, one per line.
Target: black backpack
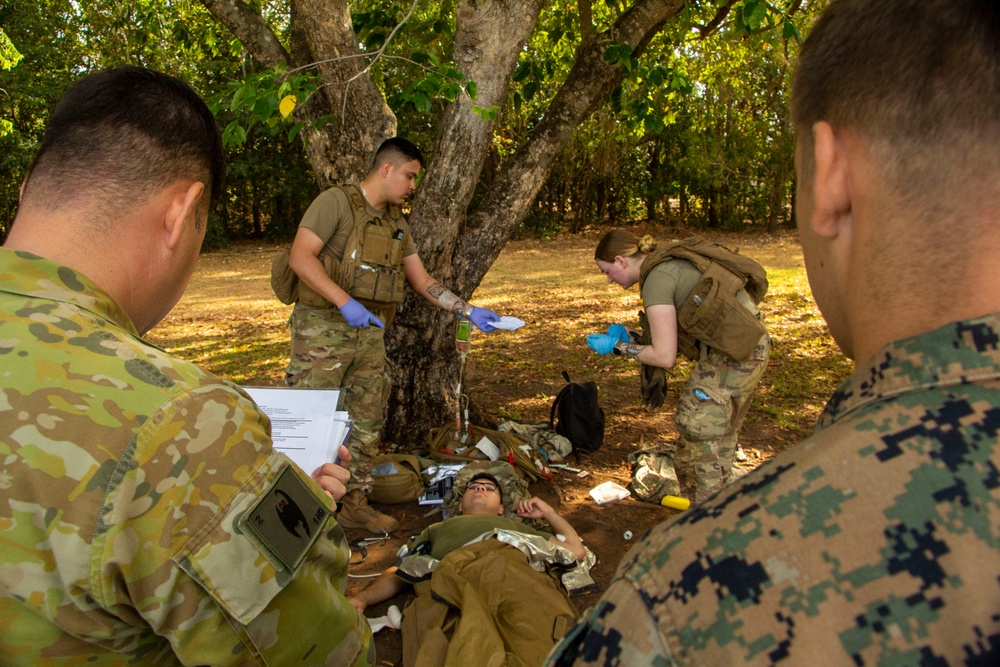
580	418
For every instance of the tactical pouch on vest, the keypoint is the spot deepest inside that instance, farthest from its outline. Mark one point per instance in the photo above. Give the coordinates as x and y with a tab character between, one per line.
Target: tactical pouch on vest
713	315
395	479
375	275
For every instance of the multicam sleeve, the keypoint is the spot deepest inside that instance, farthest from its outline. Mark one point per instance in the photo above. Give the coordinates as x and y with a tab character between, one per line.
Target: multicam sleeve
225	547
618	630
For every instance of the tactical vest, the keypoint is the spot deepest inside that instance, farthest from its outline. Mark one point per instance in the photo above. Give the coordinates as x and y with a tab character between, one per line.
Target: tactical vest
712	315
371	267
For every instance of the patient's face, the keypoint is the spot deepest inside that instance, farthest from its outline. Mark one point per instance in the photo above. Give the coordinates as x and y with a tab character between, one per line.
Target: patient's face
481	497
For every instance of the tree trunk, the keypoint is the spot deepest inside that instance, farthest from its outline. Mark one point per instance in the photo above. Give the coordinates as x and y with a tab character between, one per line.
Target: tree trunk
420	342
488	39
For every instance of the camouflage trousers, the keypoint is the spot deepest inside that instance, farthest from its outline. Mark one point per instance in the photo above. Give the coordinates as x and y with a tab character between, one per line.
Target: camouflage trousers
328	353
710	412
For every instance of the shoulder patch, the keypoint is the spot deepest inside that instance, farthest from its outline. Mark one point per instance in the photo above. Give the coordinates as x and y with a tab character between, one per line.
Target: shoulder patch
286	521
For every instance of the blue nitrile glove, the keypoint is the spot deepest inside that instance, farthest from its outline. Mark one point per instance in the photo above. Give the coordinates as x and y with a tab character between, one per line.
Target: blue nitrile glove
619	333
358	316
601	343
482	318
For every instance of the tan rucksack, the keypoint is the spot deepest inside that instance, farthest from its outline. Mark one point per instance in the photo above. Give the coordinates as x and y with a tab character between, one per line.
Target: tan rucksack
395	479
712	314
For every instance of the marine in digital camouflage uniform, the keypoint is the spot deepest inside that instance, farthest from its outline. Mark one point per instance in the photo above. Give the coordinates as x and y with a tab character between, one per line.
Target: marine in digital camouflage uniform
876	541
144	516
873	542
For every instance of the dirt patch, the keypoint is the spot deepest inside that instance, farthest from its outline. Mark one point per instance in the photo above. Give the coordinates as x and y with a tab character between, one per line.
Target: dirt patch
230	323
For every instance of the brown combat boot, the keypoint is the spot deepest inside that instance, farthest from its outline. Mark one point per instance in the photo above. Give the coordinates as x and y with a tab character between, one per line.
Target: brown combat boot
355	512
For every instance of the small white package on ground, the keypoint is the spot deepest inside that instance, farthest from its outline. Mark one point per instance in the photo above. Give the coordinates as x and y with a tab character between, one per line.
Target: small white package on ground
608	492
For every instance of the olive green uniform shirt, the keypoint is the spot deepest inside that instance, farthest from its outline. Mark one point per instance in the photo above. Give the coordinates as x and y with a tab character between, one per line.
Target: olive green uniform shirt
331	217
144	516
457	531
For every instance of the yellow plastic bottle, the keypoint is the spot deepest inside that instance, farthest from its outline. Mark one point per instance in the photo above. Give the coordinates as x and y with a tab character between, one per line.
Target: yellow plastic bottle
675	502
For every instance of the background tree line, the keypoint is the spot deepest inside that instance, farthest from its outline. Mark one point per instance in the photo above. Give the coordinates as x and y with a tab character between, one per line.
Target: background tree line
698	137
538	116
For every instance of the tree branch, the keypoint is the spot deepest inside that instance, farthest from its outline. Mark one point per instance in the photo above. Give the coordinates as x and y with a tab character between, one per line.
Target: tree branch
587	31
250	28
720	16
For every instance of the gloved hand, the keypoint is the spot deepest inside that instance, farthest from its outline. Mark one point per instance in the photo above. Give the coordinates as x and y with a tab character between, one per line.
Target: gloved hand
654	385
601	343
619	333
482	317
358	316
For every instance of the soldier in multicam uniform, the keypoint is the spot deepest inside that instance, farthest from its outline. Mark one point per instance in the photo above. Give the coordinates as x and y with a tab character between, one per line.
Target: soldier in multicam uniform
716	398
352	252
144	516
877	540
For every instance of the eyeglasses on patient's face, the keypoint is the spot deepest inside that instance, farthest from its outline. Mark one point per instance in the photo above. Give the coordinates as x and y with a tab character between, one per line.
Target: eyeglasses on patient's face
481	486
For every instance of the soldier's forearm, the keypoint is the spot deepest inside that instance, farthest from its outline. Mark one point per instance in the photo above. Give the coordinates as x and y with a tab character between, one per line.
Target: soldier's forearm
448	300
630	350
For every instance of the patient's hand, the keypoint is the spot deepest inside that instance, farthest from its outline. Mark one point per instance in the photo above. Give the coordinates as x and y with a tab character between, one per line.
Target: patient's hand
534	508
359	603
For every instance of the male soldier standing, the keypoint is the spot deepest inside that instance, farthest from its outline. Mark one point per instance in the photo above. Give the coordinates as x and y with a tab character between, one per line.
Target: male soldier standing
877	540
144	516
352	253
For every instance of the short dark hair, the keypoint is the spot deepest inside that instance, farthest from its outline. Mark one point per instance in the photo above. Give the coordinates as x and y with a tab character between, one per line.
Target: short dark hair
396	150
487	476
122	134
918	80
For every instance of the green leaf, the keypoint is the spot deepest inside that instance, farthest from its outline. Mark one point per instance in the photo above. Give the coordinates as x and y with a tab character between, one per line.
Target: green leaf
471	88
9	55
422	102
790	31
234	135
530	89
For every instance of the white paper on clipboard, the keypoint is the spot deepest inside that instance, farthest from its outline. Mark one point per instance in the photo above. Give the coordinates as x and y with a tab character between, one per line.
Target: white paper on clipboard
306	424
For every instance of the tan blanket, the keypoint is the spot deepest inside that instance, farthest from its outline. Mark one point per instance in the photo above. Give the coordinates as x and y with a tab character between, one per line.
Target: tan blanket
485	606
